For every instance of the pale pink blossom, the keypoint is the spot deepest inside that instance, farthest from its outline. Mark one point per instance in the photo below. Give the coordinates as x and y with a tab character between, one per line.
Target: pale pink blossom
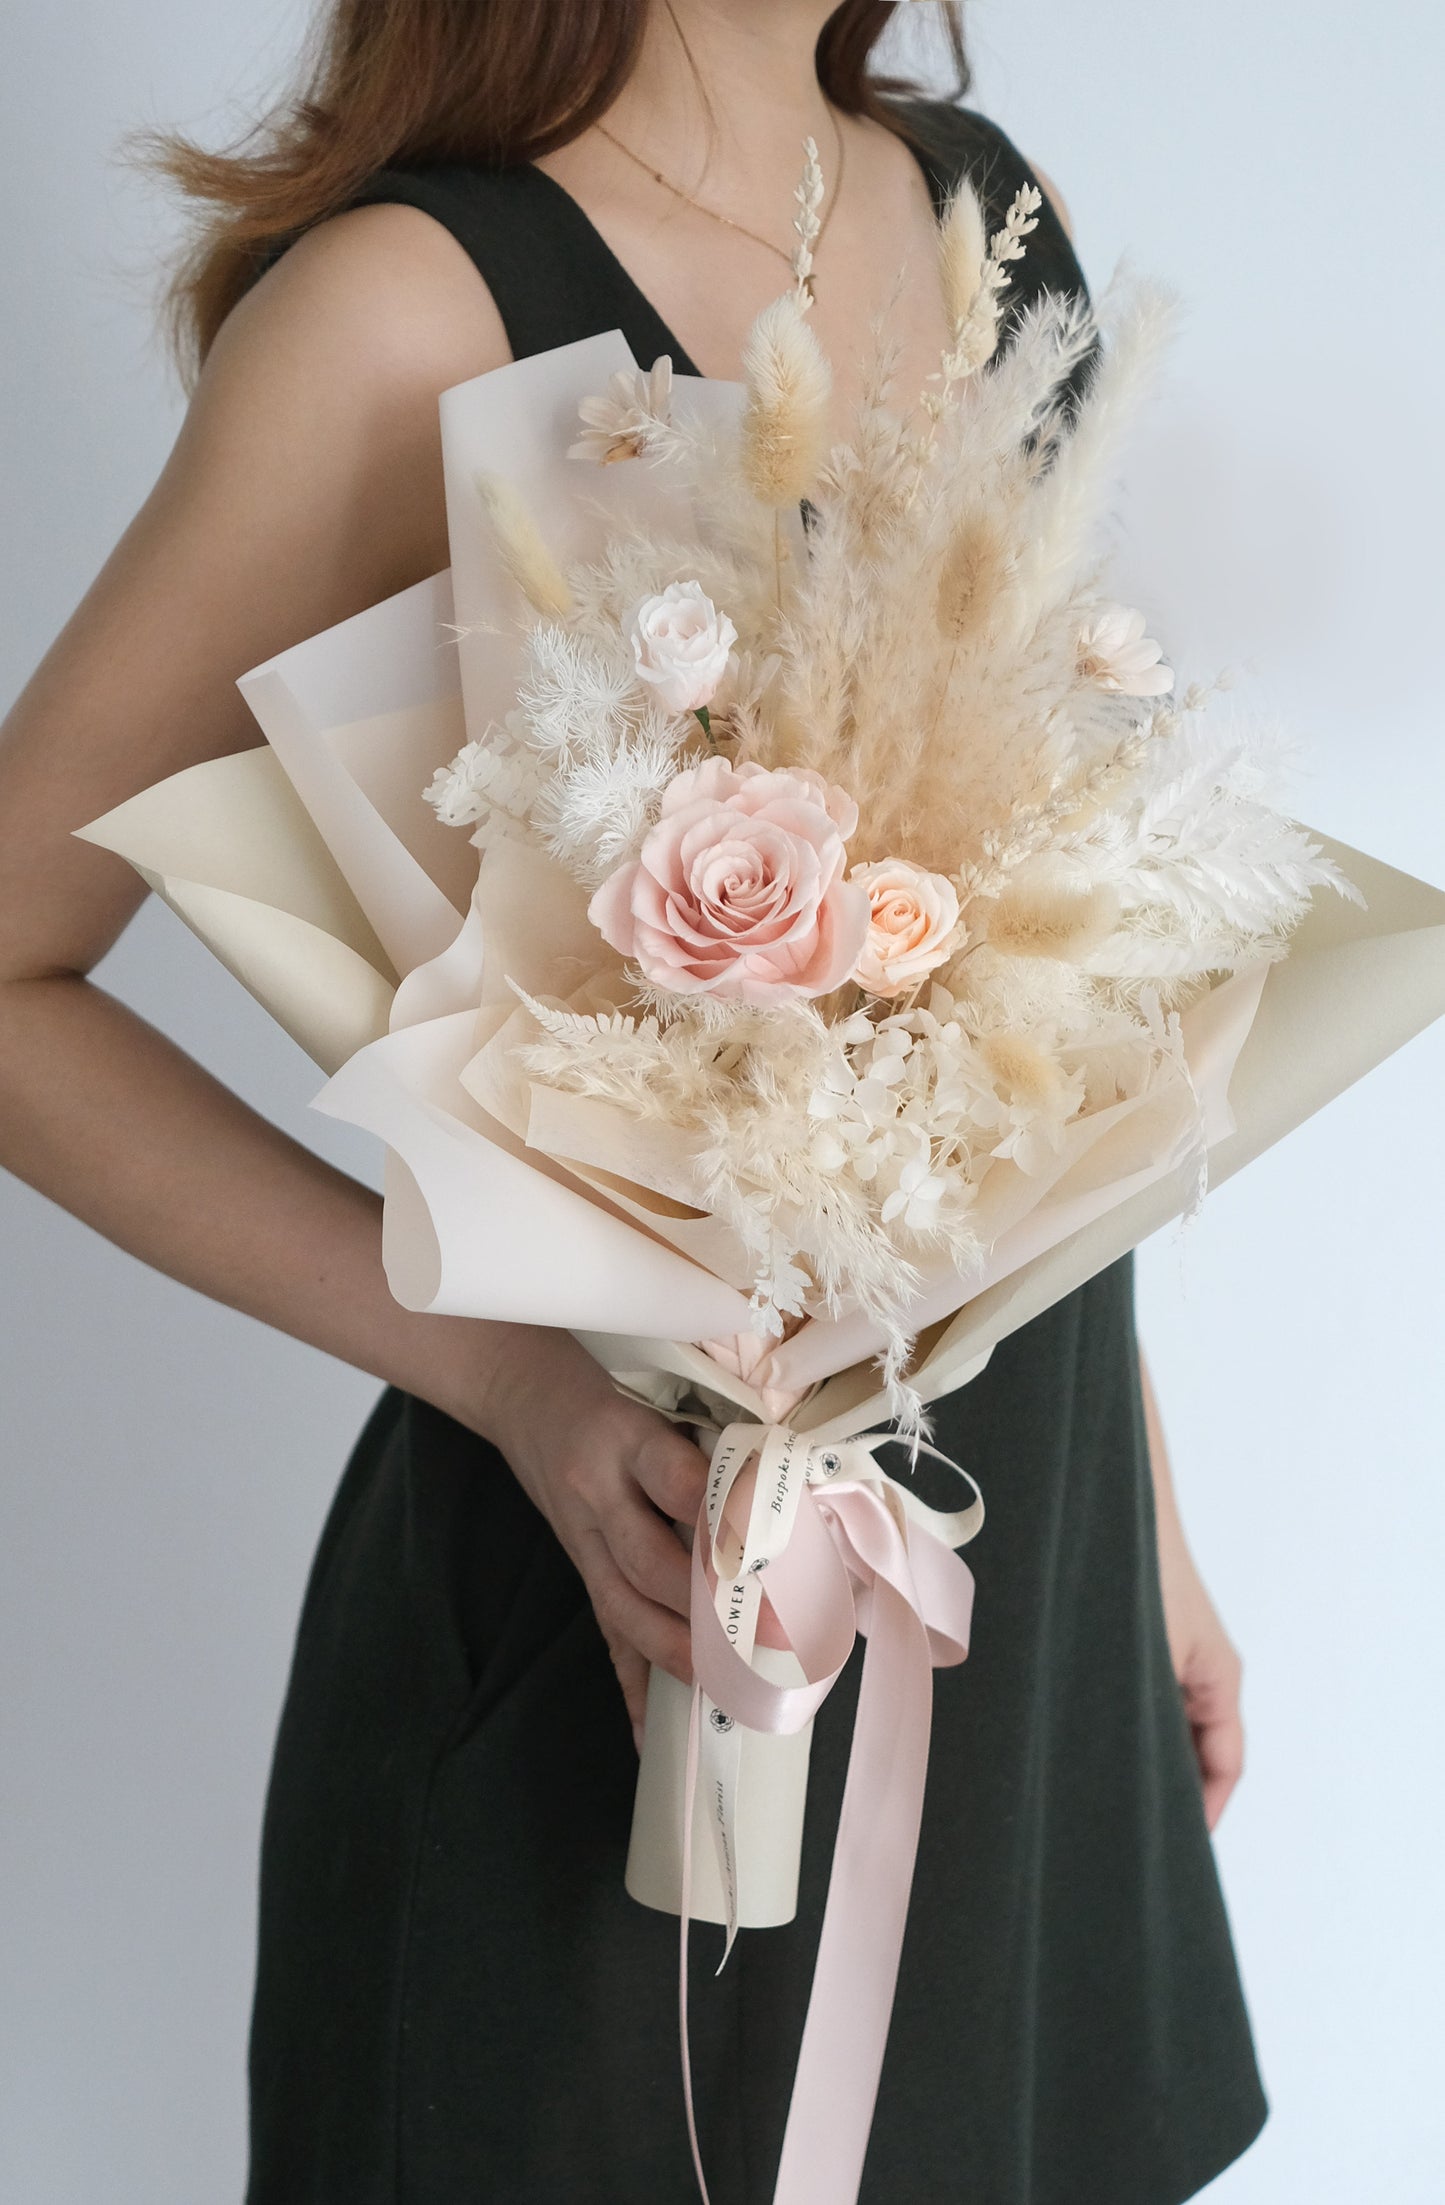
1115	652
739	889
912	924
625	420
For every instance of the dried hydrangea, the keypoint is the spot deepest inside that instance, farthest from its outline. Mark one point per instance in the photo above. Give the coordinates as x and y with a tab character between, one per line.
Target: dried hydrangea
491	786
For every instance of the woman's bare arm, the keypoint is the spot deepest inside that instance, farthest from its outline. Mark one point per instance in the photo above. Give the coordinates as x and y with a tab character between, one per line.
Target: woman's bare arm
306	484
1205	1661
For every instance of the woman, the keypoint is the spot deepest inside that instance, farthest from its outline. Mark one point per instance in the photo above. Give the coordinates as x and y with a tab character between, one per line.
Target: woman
454	1996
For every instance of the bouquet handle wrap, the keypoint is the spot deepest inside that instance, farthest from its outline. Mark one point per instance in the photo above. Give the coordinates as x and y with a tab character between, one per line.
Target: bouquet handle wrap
768	1835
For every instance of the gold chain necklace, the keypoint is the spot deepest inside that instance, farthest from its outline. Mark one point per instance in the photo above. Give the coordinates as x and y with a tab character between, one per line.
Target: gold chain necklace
758	239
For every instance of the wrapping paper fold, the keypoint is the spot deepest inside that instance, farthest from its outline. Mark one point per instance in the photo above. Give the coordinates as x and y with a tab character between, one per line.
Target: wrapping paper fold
230	847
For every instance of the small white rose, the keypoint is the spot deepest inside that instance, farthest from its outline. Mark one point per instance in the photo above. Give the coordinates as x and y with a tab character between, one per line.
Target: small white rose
912	925
681	644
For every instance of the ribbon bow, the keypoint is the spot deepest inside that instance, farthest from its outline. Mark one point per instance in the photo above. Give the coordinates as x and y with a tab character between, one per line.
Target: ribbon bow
824	1545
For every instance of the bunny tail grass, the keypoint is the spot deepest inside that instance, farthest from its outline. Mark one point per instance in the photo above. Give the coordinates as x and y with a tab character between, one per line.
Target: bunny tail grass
525	556
785	420
962	247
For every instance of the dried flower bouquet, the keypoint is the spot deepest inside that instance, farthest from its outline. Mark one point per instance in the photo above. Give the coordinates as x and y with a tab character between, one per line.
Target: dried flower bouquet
868	943
902	854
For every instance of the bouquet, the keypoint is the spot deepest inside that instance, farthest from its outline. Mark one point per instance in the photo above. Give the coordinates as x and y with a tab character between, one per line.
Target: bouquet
893	857
789	924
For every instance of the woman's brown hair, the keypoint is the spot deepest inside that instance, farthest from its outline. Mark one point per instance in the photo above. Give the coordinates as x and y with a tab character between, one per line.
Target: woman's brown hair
416	82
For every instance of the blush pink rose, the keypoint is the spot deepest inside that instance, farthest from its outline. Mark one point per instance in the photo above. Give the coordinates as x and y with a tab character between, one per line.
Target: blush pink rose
739	889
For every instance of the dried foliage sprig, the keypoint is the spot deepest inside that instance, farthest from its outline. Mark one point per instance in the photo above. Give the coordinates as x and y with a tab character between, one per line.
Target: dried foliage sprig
630	418
974	282
807	222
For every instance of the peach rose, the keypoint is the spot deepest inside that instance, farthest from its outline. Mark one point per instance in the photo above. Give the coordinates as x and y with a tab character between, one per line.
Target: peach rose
738	890
912	924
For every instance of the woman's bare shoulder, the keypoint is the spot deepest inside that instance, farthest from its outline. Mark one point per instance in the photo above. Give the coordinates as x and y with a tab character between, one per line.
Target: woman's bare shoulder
306	484
319	395
378	298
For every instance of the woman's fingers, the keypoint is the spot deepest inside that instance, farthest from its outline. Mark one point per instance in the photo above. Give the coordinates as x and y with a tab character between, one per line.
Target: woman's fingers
602	1489
1211	1687
1219	1749
649	1553
671	1471
626	1615
638	1632
638	1572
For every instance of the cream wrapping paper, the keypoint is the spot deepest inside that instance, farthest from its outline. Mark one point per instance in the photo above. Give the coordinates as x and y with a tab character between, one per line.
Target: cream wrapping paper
230	847
315	872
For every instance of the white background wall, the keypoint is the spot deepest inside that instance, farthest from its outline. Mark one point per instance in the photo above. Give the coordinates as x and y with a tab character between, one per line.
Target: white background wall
166	1464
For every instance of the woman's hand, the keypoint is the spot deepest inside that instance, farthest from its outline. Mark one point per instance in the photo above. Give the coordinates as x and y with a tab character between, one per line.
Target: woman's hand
612	1478
1203	1656
1208	1669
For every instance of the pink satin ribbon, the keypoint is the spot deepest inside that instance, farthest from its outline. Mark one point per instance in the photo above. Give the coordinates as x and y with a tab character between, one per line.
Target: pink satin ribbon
860	1553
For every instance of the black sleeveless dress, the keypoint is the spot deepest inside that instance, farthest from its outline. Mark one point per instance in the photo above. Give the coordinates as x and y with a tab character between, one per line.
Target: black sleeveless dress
457	2003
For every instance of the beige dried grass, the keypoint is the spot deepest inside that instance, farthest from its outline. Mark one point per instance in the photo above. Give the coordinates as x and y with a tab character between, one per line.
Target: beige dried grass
1052	921
523	552
962	250
976	570
785	418
1021	1068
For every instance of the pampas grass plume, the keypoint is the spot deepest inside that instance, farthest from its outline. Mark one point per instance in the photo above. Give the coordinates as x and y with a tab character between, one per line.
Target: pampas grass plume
962	246
975	568
1052	921
785	420
525	556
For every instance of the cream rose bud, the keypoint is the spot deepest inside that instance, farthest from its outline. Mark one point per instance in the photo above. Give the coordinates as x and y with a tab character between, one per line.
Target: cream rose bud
912	924
681	644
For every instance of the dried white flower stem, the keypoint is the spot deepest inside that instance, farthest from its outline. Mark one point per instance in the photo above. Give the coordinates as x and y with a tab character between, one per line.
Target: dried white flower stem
978	303
808	224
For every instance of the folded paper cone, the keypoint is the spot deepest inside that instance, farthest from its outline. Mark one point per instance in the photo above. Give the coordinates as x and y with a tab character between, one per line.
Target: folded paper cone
229	846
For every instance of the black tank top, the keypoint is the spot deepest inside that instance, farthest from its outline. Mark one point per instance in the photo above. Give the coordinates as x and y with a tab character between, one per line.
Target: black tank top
455	1998
555	279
